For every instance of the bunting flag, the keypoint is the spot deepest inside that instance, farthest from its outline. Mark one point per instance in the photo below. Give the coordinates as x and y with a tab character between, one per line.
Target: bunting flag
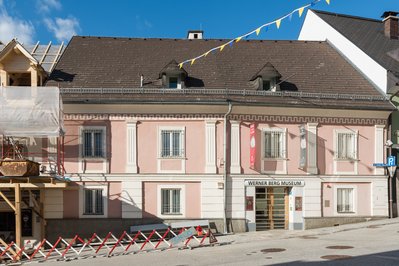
300	11
278	22
257	31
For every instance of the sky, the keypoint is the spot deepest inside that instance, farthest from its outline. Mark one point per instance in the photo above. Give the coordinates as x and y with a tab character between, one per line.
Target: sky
58	20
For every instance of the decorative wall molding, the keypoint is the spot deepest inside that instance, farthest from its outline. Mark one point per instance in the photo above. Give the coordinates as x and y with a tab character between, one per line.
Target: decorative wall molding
237	117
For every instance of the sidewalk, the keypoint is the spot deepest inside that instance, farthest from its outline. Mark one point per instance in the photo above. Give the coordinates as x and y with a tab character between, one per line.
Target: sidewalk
286	234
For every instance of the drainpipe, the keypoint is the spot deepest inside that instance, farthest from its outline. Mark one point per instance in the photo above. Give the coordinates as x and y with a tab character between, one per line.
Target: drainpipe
225	168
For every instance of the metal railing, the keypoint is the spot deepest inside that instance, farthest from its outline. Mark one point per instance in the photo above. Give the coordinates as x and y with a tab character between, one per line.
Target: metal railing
225	92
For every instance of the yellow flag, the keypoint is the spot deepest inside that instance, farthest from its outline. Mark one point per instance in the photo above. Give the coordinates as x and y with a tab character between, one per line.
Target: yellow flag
328	1
206	53
238	39
300	11
180	65
222	47
192	61
257	31
278	22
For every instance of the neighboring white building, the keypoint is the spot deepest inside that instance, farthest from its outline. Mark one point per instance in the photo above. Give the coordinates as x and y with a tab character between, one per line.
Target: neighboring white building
372	46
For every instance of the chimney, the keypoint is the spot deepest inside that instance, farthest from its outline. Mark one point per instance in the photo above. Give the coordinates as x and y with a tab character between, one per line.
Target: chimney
195	34
391	24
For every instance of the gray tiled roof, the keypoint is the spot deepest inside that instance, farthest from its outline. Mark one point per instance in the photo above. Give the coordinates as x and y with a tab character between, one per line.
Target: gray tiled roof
305	67
368	35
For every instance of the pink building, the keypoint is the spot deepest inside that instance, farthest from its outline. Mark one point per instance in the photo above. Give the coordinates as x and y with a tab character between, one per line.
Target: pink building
264	135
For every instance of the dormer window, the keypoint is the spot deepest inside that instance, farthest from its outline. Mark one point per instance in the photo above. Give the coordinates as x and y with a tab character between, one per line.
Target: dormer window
174	83
173	76
267	78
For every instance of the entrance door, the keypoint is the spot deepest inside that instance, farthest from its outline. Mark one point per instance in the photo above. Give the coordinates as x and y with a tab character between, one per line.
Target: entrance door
271	208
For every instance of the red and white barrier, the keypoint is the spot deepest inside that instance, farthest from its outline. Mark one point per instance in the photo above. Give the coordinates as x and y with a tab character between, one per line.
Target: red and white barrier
144	239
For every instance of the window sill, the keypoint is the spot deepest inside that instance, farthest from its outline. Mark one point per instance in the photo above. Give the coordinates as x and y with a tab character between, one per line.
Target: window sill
346	160
172	158
93	158
274	159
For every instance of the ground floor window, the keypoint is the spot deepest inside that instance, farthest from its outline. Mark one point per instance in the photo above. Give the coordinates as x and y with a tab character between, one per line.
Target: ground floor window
93	202
170	201
345	200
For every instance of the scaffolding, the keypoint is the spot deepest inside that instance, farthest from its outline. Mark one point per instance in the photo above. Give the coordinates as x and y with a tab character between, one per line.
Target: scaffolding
30	113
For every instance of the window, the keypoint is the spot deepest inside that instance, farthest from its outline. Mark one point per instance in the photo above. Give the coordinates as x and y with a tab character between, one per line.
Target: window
274	141
345	200
346	146
266	85
172	143
170	203
93	143
173	82
93	202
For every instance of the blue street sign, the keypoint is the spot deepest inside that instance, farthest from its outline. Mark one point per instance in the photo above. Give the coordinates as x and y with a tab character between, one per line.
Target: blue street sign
391	161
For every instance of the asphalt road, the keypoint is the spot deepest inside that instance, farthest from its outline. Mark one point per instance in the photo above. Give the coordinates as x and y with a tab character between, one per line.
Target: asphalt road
371	243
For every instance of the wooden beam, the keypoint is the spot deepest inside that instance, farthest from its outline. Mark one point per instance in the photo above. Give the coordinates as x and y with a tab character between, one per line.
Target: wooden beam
42	220
18	231
34	185
7	200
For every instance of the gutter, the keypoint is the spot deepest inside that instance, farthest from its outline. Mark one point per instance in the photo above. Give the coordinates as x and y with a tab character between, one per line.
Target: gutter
225	167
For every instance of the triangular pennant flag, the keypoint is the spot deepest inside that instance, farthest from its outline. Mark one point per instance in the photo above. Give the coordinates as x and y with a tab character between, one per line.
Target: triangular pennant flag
192	61
231	44
180	65
222	47
247	36
278	23
328	1
266	28
238	39
206	53
290	17
313	3
300	11
258	31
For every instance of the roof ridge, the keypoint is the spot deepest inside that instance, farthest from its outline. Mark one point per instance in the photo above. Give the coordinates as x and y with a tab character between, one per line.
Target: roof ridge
197	40
345	15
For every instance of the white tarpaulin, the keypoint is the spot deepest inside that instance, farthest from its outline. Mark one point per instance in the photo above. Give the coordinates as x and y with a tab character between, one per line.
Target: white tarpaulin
30	111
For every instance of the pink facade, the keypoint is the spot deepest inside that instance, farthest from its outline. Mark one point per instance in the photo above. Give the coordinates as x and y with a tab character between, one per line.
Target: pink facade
192	191
362	198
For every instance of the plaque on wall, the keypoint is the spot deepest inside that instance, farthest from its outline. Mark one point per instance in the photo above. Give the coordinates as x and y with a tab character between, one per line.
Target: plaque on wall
249	203
298	203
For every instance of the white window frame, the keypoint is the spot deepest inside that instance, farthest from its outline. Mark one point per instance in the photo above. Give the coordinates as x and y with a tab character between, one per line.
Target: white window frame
182	142
283	131
355	133
104	141
182	189
354	200
284	159
178	82
82	201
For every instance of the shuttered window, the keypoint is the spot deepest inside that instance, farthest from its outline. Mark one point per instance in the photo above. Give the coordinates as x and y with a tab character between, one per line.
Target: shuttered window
346	146
172	143
344	200
94	202
274	144
93	143
170	203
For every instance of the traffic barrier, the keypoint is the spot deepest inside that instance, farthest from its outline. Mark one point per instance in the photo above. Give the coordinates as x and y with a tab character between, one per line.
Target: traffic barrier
140	239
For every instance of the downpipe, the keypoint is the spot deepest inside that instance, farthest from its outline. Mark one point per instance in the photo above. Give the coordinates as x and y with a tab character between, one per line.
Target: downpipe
225	167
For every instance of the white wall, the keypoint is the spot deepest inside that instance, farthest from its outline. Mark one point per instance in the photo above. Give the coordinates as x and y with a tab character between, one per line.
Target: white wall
316	29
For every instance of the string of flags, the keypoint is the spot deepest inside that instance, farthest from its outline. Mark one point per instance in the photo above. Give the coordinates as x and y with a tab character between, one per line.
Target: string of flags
257	31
